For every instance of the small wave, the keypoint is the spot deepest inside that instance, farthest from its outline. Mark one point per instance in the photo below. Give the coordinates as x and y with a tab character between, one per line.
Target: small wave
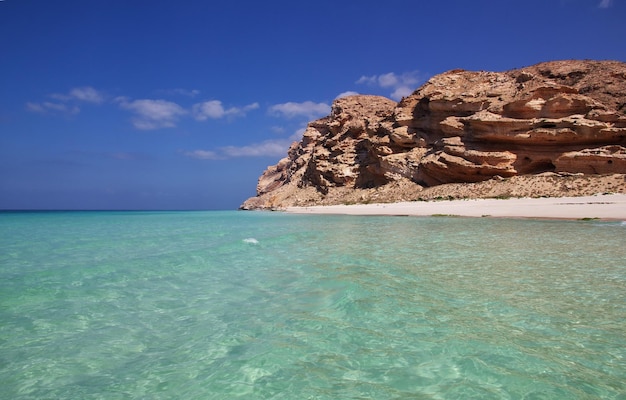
251	241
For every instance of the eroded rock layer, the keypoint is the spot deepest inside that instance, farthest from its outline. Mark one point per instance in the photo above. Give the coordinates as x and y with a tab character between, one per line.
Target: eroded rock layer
562	122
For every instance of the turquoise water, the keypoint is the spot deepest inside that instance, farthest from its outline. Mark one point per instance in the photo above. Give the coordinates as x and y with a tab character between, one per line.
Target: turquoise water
222	305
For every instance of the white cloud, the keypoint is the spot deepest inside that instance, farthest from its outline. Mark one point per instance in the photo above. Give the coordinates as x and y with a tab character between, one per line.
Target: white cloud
180	92
307	109
215	110
66	103
266	148
155	114
152	114
203	154
346	94
208	109
85	93
148	113
402	91
368	80
402	85
388	80
605	3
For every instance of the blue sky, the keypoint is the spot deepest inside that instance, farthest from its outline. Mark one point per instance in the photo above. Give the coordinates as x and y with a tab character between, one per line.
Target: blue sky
131	104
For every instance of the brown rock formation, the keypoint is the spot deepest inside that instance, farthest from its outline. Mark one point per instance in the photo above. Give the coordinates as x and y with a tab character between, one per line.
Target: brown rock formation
561	121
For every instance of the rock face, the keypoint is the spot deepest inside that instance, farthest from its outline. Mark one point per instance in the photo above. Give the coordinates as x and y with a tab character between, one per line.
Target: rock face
565	120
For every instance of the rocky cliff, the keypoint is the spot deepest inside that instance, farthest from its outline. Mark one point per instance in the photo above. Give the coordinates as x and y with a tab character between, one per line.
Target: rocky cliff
556	128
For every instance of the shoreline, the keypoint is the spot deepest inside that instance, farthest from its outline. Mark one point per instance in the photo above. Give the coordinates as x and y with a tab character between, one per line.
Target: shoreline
602	207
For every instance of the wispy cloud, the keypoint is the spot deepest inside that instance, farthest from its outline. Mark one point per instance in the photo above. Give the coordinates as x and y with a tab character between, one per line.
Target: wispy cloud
266	148
179	92
85	94
215	110
605	3
156	114
307	109
202	154
48	107
152	114
384	80
148	114
400	85
66	103
346	94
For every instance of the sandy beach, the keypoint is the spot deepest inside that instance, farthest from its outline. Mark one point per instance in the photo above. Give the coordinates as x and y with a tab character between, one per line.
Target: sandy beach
610	206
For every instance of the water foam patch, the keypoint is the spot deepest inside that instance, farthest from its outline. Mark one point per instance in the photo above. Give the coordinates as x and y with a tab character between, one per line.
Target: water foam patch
251	241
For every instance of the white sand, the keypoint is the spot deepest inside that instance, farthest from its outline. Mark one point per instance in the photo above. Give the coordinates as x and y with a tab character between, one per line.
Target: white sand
611	206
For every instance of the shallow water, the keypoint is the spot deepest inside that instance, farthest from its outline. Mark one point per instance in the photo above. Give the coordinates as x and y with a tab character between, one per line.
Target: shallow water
221	305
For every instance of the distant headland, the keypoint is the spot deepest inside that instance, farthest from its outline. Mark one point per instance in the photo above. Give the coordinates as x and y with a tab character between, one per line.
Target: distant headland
549	130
